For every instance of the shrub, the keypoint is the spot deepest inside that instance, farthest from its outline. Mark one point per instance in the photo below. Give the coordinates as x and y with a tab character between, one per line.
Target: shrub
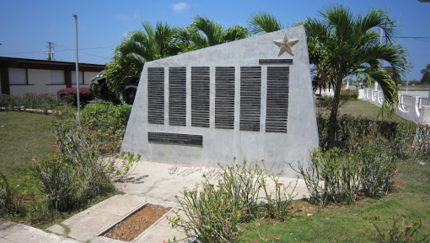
106	123
69	179
106	115
215	213
69	95
59	182
401	229
348	94
338	176
41	101
9	198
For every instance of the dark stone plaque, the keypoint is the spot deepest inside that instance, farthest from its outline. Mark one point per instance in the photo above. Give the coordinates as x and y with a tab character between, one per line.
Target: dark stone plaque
156	95
250	98
177	96
277	99
200	96
276	61
175	138
224	97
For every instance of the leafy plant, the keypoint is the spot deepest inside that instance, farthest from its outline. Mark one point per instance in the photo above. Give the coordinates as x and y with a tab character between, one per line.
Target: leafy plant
69	95
348	94
215	213
401	229
9	198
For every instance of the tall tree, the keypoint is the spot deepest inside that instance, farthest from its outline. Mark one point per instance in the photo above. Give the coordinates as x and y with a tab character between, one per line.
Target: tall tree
262	22
204	32
426	75
136	49
341	44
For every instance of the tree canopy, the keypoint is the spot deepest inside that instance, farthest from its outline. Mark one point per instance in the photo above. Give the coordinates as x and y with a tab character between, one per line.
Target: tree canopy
341	44
426	75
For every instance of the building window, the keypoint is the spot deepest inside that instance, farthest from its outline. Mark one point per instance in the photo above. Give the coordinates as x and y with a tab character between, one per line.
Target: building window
81	78
17	76
57	77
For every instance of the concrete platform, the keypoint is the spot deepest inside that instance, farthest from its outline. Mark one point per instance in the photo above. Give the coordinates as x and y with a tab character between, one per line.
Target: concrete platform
148	183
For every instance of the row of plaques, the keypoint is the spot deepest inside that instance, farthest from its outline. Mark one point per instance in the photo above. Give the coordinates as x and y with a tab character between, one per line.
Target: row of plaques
250	97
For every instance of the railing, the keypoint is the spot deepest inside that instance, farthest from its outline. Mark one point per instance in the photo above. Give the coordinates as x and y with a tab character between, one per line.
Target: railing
380	97
409	108
422	101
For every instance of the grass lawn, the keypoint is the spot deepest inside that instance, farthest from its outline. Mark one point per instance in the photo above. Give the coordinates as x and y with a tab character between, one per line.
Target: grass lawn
362	108
350	223
23	136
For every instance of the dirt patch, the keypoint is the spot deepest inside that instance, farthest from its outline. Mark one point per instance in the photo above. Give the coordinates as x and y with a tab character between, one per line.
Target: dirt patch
132	226
302	208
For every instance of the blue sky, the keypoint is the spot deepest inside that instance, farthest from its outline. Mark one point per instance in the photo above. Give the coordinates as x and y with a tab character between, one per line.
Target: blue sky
26	25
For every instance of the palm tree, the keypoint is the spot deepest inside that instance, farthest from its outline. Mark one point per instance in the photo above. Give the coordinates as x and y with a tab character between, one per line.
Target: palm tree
140	47
204	32
341	44
262	22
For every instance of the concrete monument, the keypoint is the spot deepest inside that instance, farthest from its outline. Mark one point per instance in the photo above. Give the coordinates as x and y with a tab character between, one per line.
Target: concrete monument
250	99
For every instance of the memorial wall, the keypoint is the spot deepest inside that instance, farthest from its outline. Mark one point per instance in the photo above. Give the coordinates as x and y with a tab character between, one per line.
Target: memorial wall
250	99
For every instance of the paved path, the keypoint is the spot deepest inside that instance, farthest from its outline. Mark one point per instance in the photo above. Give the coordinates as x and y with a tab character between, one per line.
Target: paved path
148	183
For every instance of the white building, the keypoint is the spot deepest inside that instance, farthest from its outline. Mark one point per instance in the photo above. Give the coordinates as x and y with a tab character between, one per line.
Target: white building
19	76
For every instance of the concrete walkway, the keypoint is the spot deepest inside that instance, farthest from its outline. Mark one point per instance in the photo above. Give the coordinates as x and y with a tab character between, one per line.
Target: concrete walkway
148	183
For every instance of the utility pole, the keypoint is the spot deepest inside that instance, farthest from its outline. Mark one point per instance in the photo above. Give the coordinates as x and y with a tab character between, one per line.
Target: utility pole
77	69
50	55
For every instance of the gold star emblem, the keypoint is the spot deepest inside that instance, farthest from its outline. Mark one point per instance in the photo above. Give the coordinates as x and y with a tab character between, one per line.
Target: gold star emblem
286	44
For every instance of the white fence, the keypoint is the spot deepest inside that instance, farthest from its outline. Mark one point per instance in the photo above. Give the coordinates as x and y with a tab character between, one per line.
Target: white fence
414	108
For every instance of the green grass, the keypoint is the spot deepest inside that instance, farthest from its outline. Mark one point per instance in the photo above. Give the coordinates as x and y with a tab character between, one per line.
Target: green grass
23	136
350	223
362	108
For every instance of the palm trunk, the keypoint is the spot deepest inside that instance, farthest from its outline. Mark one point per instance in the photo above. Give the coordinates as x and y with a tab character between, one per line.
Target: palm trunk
333	114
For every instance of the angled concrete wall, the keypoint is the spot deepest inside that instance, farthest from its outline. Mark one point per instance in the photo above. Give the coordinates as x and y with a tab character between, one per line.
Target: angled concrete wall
167	123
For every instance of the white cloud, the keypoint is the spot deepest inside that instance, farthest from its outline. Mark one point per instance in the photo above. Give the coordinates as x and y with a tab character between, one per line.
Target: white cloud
180	7
125	17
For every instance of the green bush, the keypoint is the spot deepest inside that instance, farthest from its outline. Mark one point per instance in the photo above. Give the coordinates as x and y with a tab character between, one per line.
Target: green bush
401	229
338	176
106	115
215	213
107	123
9	199
41	101
69	96
79	173
348	94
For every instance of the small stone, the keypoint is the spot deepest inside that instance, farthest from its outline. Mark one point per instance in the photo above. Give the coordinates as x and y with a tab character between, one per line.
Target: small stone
309	215
327	218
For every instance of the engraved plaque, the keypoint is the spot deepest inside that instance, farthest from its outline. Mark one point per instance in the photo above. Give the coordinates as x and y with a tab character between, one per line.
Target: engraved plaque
224	97
277	99
200	96
156	95
177	96
276	61
175	138
250	98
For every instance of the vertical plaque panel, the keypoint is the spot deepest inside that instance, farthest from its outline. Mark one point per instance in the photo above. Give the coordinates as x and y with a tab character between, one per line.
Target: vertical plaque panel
224	97
277	99
200	96
156	95
177	96
250	98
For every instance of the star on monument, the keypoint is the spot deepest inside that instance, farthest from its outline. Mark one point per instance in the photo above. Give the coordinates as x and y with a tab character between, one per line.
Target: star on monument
286	44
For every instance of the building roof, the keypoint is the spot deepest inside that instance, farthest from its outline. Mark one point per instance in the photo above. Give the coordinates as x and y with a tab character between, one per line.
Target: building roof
50	63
